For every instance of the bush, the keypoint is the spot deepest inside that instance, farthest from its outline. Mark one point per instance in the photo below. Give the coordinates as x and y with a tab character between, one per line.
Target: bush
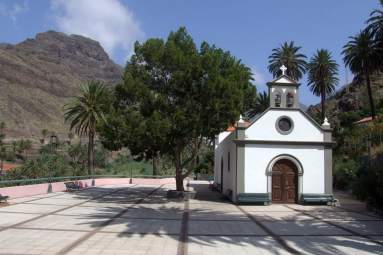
345	172
369	184
44	166
347	119
125	165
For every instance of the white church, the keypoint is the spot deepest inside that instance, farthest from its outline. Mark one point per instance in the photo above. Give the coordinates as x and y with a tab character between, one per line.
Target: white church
280	156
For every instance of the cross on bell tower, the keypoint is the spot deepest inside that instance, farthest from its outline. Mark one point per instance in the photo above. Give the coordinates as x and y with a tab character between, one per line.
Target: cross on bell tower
283	68
283	91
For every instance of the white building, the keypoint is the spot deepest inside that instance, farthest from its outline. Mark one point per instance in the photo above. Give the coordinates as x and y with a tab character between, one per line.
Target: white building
281	155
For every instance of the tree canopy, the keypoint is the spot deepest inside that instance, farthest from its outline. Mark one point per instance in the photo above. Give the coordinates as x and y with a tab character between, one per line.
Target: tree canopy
363	55
174	97
86	111
287	54
322	76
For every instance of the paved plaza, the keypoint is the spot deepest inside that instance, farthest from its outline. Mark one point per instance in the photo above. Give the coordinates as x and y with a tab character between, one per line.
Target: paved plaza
138	219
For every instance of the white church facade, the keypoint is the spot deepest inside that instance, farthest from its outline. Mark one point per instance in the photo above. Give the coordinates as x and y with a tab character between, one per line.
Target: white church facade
279	156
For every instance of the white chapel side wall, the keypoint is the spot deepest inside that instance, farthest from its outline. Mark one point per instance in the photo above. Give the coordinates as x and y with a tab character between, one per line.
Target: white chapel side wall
258	157
218	152
233	168
222	152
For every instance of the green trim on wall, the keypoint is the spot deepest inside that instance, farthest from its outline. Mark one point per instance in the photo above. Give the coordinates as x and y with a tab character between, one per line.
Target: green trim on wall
280	142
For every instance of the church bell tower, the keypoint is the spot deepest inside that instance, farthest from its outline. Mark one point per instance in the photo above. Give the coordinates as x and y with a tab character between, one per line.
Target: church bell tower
283	92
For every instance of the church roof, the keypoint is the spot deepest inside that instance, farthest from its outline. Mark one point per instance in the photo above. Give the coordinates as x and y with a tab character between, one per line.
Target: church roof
232	128
283	80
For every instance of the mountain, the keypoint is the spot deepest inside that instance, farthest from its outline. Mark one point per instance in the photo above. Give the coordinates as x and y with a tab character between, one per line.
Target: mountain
351	98
38	76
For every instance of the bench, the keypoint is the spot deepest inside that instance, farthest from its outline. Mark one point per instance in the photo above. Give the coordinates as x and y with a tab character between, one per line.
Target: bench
253	198
71	186
211	182
318	199
216	187
4	199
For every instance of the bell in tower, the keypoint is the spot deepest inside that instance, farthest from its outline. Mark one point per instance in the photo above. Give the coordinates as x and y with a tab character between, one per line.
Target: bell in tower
283	91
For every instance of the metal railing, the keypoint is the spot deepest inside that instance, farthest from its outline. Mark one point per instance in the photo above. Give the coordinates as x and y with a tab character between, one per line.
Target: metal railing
10	183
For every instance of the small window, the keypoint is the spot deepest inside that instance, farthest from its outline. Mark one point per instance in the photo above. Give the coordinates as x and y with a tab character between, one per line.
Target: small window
284	125
290	100
228	162
222	164
277	100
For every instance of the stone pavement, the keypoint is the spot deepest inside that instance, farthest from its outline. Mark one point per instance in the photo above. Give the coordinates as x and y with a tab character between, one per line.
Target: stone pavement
138	219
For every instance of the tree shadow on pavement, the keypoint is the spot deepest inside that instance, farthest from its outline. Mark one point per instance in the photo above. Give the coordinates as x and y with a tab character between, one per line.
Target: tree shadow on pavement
215	222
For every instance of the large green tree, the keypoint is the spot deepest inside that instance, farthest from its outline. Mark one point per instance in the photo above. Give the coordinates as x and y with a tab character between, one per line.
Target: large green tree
362	55
287	54
86	111
174	97
2	146
322	76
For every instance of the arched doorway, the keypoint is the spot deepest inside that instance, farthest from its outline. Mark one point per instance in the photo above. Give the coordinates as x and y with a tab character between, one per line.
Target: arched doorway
284	182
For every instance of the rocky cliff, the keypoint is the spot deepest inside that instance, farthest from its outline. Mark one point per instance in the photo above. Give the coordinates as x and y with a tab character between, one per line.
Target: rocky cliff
38	76
351	98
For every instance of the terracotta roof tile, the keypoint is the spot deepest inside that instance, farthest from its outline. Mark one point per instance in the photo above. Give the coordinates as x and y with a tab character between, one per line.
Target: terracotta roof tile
9	166
232	128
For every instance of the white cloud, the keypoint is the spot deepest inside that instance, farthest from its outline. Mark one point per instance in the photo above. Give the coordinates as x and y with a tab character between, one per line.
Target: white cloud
107	21
259	79
12	11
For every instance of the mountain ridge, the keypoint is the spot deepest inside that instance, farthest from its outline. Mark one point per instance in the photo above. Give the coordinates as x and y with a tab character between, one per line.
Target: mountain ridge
38	76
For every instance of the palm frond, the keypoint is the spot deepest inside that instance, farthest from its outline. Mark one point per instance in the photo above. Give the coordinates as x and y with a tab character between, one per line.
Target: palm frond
85	111
289	55
322	73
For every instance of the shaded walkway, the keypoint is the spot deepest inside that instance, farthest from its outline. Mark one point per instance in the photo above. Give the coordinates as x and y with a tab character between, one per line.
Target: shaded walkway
138	219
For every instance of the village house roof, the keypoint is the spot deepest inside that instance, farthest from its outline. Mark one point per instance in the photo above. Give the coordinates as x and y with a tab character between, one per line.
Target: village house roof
9	166
363	121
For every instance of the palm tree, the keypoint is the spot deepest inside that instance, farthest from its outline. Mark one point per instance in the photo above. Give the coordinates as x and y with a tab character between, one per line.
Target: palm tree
70	137
44	133
362	56
322	76
27	145
263	101
288	55
85	112
375	24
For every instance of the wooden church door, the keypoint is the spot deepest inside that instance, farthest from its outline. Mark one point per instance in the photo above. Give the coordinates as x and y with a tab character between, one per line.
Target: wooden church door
284	182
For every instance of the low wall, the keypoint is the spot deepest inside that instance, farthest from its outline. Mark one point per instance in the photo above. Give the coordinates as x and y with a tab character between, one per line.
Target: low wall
38	189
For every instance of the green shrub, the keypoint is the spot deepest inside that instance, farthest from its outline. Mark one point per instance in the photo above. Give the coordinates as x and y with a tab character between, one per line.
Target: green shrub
345	172
44	166
348	118
369	183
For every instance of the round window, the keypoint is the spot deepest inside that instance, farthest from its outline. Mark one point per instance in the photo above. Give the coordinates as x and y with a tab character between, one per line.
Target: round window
284	125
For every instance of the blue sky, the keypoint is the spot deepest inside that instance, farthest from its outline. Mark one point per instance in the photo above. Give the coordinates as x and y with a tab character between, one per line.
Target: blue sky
249	29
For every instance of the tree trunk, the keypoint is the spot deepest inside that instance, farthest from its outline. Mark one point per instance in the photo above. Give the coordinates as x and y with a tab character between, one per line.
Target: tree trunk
196	151
371	99
90	153
154	165
323	100
179	177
